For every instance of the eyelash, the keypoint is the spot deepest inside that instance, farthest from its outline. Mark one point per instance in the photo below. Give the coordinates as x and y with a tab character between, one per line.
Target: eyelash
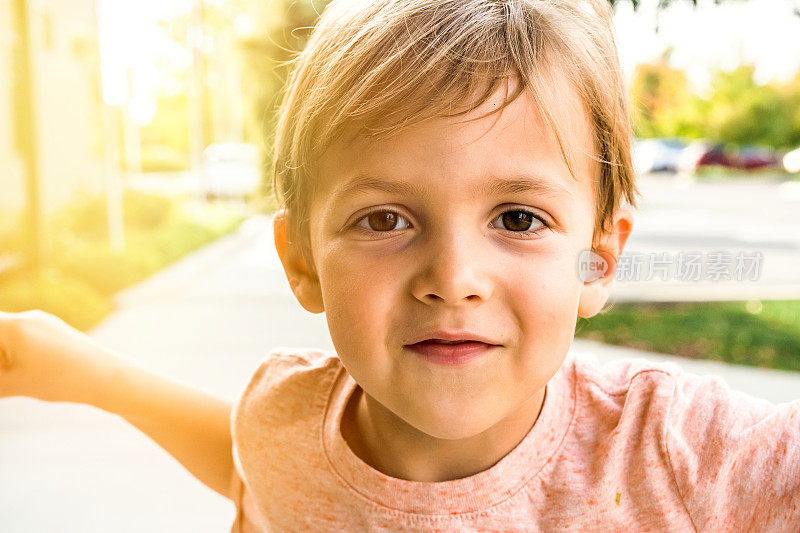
528	233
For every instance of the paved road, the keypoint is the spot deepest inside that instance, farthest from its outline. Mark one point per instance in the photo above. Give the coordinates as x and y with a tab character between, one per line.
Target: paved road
747	216
206	321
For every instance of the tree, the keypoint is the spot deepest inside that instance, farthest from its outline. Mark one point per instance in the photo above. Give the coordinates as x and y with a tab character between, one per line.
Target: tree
744	112
663	105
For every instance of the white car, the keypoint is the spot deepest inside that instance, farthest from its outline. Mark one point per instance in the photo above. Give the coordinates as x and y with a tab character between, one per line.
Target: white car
657	155
230	170
791	161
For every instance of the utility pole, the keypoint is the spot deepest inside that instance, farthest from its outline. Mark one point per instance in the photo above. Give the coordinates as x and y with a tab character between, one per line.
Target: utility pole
25	131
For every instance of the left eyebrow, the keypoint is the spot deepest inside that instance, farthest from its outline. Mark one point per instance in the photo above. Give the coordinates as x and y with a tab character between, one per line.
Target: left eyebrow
495	186
520	184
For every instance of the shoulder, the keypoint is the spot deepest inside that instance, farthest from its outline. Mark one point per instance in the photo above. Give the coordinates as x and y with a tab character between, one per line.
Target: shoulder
624	402
688	404
286	383
624	387
273	424
284	364
618	376
735	458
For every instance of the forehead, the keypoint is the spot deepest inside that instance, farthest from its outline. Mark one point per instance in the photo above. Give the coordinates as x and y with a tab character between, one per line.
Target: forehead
461	152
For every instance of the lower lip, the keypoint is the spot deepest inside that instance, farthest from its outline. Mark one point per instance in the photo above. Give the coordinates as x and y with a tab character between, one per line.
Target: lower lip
450	354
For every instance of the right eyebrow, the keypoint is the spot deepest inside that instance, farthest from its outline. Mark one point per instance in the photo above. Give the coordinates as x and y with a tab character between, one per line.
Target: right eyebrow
361	184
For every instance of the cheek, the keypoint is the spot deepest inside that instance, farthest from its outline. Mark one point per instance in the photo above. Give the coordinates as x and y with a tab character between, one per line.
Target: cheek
359	296
547	294
358	279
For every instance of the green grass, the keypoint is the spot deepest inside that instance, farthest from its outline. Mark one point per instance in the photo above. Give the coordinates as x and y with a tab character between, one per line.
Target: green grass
82	272
717	172
756	333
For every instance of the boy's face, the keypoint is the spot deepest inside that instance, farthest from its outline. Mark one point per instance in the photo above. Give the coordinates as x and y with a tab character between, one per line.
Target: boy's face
443	251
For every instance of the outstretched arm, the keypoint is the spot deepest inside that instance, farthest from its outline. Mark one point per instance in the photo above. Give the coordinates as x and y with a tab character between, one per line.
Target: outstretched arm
193	426
42	357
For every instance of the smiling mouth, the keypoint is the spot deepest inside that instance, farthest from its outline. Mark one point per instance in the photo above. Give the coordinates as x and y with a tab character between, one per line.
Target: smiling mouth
450	352
441	341
446	342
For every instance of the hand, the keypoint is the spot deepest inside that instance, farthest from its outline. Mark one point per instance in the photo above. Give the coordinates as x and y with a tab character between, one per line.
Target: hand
43	357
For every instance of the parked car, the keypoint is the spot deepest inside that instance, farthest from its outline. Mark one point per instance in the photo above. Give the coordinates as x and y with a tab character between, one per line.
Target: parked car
700	153
230	170
658	155
791	161
755	157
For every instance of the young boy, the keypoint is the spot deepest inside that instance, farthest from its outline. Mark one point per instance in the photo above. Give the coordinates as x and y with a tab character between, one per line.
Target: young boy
441	166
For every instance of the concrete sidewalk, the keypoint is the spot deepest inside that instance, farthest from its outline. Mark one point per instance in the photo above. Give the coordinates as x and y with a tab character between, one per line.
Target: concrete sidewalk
206	321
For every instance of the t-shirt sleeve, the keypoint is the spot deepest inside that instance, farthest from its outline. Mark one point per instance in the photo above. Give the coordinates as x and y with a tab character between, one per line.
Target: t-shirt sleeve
244	505
242	408
276	396
735	458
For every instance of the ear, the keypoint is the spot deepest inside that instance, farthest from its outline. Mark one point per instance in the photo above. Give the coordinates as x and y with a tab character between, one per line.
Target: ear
302	279
595	293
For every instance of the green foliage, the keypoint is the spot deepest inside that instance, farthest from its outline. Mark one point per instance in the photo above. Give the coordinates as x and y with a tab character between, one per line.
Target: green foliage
724	331
83	271
157	232
738	112
76	302
86	218
663	104
744	112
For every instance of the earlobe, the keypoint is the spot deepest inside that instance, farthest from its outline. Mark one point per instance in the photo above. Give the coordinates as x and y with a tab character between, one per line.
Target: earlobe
595	293
302	279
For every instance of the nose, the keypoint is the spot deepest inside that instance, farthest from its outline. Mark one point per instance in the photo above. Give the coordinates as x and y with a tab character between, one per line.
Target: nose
452	270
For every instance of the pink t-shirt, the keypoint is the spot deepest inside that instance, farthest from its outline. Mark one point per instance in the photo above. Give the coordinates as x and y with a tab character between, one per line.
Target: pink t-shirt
627	446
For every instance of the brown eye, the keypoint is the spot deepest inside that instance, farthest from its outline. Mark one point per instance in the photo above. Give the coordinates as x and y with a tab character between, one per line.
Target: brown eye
520	221
517	220
383	221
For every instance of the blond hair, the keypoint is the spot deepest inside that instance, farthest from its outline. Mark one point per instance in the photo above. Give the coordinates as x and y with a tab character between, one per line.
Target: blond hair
383	65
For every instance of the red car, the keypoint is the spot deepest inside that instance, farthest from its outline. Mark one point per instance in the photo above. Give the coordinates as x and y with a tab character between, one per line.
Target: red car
700	154
753	157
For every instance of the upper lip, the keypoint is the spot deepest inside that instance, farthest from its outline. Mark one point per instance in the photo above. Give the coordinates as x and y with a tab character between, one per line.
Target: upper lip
453	336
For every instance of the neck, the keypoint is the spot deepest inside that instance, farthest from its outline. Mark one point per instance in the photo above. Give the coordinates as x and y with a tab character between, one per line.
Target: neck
391	446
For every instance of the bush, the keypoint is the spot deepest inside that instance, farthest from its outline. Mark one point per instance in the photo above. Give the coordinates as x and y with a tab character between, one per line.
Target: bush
77	303
106	271
87	217
83	271
157	232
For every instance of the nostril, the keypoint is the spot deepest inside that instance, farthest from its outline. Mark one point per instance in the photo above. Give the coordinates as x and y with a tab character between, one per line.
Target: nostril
436	297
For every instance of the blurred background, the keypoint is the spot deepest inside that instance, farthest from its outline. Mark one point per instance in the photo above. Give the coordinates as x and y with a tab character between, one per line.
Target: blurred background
135	203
